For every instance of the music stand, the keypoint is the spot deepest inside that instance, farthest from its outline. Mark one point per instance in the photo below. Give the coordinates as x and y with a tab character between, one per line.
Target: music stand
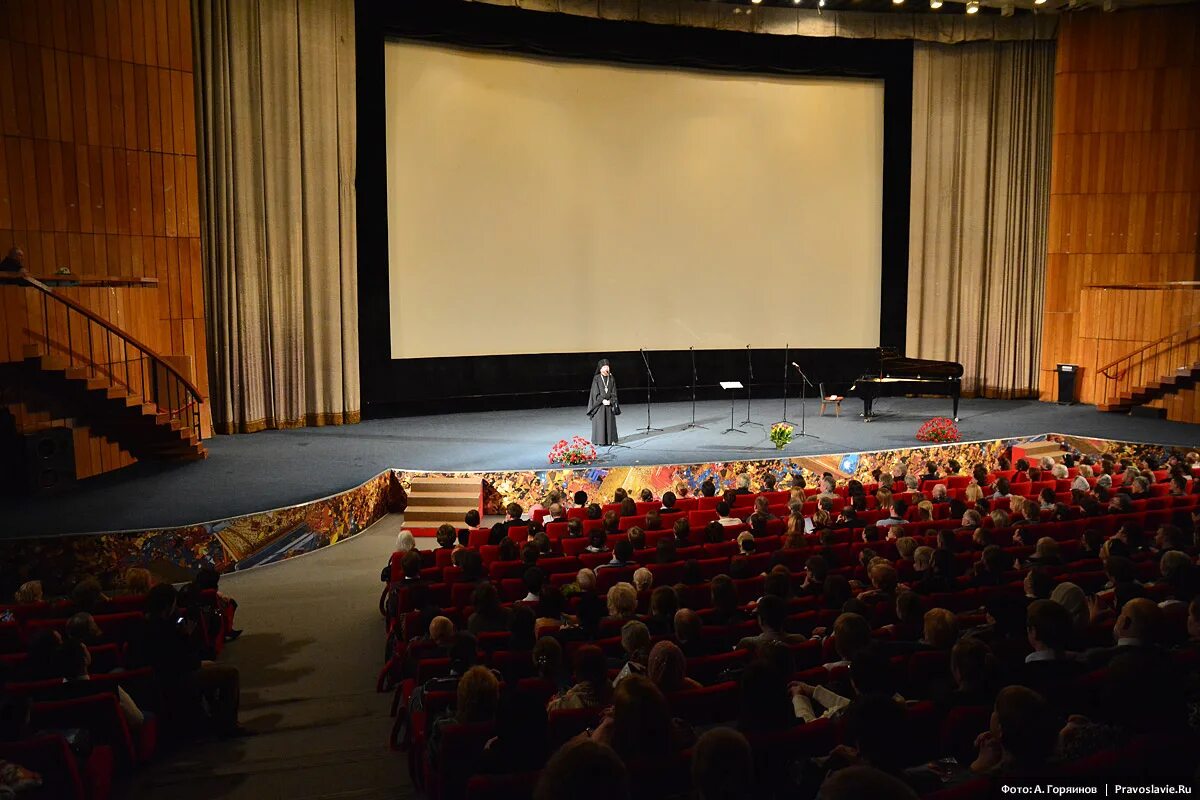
749	380
649	380
732	386
693	423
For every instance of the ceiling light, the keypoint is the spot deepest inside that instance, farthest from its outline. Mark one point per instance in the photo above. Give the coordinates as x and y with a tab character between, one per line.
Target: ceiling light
820	3
797	2
897	2
972	8
756	2
1039	2
935	4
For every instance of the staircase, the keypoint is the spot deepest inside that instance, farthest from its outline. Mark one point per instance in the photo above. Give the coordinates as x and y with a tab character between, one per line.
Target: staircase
1034	451
1184	377
1152	371
78	366
434	501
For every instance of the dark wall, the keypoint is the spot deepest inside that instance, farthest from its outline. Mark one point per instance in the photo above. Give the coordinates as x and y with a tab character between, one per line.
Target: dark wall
403	386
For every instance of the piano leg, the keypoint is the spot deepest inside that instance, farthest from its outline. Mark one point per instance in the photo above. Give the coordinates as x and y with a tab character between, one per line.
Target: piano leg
956	406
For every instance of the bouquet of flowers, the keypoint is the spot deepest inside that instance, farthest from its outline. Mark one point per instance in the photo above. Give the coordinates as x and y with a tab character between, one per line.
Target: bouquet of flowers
573	453
781	434
939	429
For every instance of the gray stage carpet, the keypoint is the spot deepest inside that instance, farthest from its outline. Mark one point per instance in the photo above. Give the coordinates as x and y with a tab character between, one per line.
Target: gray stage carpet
255	472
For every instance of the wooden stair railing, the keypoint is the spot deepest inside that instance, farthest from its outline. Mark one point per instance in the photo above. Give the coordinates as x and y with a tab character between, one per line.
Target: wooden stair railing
89	342
1147	363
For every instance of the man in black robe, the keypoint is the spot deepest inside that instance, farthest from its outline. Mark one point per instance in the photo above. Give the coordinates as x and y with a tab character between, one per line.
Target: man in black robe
603	407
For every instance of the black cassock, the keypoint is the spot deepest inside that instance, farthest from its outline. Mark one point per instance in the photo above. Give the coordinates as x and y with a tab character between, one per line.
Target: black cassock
604	418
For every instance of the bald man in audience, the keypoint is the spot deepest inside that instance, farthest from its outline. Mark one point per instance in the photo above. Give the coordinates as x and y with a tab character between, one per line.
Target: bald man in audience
1138	630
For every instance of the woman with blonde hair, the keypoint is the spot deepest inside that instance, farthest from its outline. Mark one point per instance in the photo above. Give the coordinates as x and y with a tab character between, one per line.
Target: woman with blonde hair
821	520
622	601
973	493
137	581
1071	597
1000	518
883	499
29	593
925	511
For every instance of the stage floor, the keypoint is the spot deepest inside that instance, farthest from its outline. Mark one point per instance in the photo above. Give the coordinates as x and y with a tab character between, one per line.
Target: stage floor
272	469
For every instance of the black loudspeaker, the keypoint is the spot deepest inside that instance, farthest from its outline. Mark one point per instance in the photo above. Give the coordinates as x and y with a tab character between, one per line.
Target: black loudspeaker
49	459
1066	383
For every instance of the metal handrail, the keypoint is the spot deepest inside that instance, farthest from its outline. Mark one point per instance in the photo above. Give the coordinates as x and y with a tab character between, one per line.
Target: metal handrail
170	391
1151	358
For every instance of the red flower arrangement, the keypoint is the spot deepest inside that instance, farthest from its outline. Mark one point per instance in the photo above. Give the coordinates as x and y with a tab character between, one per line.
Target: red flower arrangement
573	453
939	429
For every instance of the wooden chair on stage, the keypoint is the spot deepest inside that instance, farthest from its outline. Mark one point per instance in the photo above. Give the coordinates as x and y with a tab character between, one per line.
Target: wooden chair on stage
831	399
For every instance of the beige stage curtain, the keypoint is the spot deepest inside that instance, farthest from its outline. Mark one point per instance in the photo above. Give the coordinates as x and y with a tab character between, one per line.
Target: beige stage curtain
275	89
982	116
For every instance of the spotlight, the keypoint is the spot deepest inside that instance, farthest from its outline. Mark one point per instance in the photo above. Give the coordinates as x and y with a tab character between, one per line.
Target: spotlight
796	2
897	2
756	2
820	3
1039	2
972	8
935	4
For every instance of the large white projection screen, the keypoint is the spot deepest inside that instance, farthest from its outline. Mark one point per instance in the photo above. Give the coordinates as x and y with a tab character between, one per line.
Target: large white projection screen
544	206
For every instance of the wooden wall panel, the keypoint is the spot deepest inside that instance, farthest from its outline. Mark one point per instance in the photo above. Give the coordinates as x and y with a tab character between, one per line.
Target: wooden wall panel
1125	184
98	167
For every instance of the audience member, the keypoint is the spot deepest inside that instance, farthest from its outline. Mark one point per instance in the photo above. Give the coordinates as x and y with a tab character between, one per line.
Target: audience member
723	765
583	769
168	645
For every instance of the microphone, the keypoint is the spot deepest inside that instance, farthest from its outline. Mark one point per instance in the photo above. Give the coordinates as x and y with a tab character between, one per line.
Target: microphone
794	364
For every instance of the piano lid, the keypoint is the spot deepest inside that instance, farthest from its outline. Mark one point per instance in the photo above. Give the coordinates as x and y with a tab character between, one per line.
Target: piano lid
893	365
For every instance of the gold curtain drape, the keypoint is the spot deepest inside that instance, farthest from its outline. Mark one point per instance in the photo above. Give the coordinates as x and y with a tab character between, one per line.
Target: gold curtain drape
275	101
982	115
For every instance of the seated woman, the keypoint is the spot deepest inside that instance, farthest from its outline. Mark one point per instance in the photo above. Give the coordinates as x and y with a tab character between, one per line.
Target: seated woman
446	536
667	668
622	601
477	697
641	727
489	616
635	643
597	542
592	688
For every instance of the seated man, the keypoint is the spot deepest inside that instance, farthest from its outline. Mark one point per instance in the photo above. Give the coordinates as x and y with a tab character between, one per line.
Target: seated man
771	614
1049	669
513	512
622	555
554	514
724	514
75	661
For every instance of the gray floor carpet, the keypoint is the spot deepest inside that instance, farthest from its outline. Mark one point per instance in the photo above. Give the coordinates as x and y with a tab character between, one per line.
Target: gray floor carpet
254	472
308	660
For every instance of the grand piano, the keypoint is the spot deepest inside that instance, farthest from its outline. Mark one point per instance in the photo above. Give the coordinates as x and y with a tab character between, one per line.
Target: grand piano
898	376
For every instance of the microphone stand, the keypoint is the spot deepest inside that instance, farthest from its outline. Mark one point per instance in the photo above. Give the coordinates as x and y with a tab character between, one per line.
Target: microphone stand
693	424
749	380
786	350
649	380
804	384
